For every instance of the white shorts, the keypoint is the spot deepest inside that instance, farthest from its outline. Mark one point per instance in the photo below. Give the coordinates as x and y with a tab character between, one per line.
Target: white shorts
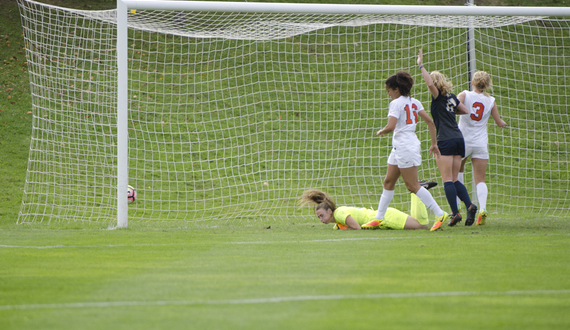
405	157
477	152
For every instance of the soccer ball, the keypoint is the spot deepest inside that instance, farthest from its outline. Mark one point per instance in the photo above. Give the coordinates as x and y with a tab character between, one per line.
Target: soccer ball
131	194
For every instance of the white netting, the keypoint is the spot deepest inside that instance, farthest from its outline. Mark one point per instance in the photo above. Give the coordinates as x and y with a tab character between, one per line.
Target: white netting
234	115
270	26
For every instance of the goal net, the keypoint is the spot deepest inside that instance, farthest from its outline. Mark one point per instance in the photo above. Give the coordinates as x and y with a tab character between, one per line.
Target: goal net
232	115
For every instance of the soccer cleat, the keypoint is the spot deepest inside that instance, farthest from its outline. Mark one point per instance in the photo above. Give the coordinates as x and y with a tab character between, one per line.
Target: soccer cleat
455	219
374	224
340	226
471	211
439	221
482	219
427	184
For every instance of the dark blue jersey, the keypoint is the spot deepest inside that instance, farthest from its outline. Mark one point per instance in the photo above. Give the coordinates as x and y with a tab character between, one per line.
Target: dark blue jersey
443	114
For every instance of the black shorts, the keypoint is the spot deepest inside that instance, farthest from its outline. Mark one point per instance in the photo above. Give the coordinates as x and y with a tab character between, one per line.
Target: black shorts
452	147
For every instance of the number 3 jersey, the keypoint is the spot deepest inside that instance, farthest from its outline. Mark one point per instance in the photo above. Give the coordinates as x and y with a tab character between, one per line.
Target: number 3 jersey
474	124
405	109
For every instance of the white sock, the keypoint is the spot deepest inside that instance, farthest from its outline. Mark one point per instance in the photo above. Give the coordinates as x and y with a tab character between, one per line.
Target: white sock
385	200
482	193
429	202
460	179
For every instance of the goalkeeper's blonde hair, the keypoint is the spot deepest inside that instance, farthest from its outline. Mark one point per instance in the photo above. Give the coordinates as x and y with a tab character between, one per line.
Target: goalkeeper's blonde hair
439	81
320	199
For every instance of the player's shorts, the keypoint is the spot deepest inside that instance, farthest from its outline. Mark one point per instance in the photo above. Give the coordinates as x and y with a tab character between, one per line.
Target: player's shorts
405	157
477	152
452	147
394	219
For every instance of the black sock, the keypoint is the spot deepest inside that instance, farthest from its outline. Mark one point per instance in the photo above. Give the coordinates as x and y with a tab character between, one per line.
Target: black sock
462	193
451	195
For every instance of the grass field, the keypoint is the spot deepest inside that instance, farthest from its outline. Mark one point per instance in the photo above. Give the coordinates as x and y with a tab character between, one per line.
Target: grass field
511	274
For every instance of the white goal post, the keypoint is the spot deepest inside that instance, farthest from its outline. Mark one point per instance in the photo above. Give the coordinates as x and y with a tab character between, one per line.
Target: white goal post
228	110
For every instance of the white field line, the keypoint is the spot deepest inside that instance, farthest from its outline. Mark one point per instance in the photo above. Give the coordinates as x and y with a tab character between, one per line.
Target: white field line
63	246
105	304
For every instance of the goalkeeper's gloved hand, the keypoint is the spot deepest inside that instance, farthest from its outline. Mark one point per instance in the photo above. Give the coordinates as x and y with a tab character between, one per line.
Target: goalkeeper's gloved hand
340	226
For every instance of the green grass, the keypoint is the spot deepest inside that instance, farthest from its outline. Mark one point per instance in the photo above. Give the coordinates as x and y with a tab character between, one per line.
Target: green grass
15	121
266	274
510	274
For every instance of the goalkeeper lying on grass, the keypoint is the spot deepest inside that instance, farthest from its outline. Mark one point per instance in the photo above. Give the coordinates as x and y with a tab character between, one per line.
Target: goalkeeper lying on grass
349	217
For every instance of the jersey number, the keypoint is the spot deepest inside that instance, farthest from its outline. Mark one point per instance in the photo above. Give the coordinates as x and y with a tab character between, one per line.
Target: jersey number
479	108
409	118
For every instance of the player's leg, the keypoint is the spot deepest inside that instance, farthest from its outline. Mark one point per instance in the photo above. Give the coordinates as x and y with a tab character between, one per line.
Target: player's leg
396	219
410	176
392	175
459	186
461	173
445	166
459	154
479	171
412	223
418	210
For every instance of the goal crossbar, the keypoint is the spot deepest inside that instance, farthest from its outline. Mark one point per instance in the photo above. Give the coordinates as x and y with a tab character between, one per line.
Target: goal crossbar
250	7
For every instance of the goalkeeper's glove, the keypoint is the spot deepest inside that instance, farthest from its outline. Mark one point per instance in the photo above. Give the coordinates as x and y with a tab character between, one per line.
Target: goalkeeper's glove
340	226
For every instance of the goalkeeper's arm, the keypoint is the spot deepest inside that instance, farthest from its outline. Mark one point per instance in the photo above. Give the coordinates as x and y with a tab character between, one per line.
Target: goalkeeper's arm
351	223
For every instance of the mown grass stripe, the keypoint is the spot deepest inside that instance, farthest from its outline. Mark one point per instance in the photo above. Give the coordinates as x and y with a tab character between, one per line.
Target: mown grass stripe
62	246
399	295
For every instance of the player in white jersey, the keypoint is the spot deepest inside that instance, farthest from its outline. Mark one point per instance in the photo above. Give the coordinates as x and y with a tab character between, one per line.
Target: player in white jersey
405	143
473	125
405	156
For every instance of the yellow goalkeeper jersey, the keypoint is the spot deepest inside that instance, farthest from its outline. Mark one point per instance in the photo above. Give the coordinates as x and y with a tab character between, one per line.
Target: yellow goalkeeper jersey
393	219
360	214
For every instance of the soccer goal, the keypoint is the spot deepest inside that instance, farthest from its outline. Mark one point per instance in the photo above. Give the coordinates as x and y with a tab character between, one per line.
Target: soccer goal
224	111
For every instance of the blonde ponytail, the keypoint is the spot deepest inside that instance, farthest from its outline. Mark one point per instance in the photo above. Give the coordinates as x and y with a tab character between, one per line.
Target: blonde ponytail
319	198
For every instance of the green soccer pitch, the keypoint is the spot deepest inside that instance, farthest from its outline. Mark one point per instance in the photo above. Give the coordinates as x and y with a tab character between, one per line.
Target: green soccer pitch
510	274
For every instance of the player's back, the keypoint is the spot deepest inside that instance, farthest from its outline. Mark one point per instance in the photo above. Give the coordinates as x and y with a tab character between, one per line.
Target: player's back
406	109
474	124
360	214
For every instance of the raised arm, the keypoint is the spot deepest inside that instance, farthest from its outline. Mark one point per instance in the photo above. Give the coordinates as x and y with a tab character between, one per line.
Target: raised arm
432	89
495	114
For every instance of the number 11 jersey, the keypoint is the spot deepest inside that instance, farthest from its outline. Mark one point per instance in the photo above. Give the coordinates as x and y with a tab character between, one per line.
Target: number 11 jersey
405	109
